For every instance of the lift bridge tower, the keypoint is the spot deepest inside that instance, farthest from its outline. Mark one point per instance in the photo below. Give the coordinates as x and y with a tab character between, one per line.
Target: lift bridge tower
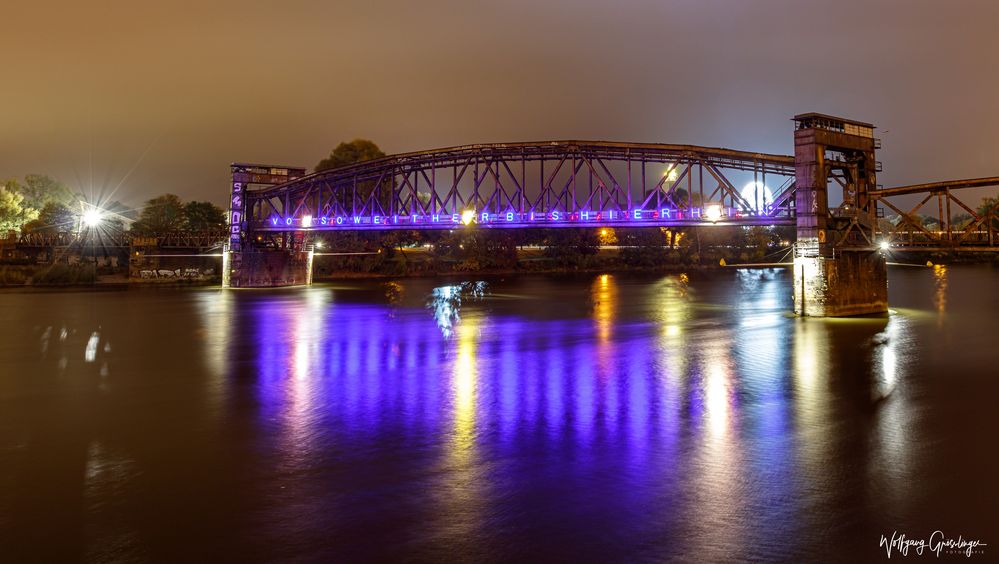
839	268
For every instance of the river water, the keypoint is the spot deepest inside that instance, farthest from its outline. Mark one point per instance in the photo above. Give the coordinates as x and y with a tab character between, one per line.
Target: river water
604	417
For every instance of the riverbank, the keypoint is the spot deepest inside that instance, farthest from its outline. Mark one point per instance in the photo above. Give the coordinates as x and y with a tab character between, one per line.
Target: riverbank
403	267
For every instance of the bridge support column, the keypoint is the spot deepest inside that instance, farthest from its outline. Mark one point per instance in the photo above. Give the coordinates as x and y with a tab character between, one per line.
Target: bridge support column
266	269
853	283
838	268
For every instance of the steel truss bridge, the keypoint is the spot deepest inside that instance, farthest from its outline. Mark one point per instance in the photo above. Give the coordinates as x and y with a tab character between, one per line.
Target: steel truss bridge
544	184
578	184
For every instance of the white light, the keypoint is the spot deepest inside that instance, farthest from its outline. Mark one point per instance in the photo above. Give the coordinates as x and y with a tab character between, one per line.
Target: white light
306	221
319	244
671	174
758	195
92	217
713	212
468	216
885	245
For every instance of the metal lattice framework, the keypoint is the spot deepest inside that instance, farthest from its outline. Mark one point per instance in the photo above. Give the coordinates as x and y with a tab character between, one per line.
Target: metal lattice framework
542	184
122	239
980	232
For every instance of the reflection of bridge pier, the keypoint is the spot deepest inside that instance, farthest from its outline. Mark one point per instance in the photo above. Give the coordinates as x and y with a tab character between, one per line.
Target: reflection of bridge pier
838	268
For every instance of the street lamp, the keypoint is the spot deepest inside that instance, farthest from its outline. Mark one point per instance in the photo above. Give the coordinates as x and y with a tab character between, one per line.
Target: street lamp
92	217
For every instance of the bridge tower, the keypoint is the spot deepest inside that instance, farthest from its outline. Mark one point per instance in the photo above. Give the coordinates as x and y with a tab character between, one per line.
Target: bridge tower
839	269
279	260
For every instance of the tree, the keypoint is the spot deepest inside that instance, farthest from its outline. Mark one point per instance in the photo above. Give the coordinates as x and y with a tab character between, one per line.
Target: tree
204	216
160	215
356	151
990	206
39	190
13	212
53	218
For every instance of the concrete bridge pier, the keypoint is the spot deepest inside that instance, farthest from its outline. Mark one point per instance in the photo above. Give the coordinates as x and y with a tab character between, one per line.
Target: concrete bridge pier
253	268
282	259
839	269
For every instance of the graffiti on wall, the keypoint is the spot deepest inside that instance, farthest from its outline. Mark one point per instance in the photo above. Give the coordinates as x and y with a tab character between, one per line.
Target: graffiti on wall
177	273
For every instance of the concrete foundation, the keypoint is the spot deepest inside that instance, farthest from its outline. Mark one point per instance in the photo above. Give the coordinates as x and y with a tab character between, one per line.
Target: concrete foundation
266	269
852	283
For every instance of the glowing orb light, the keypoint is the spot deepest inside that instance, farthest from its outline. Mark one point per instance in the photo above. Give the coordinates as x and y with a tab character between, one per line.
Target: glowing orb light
885	245
758	195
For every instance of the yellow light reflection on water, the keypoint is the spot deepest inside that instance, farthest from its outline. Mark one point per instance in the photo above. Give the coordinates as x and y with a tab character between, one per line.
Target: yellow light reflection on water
674	311
940	283
604	296
464	384
461	485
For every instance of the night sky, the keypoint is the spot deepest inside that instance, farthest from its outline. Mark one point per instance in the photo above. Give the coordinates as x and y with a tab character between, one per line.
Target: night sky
174	92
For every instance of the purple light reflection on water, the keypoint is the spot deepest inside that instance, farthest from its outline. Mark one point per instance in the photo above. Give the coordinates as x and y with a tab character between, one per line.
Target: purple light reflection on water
579	417
493	410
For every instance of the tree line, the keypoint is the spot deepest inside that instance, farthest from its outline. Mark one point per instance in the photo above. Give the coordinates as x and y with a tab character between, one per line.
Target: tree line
40	204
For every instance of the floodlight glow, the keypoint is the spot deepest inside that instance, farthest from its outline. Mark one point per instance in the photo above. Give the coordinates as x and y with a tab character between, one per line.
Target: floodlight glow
713	213
92	217
885	245
671	174
468	216
306	221
758	195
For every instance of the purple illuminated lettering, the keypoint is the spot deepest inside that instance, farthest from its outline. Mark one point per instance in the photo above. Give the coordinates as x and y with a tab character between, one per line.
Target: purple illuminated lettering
435	218
638	214
376	218
509	216
555	216
274	221
339	220
288	220
664	214
584	215
455	218
485	217
357	219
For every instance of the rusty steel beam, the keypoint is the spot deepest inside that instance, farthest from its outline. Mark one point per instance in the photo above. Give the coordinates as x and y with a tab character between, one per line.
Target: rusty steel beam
934	187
